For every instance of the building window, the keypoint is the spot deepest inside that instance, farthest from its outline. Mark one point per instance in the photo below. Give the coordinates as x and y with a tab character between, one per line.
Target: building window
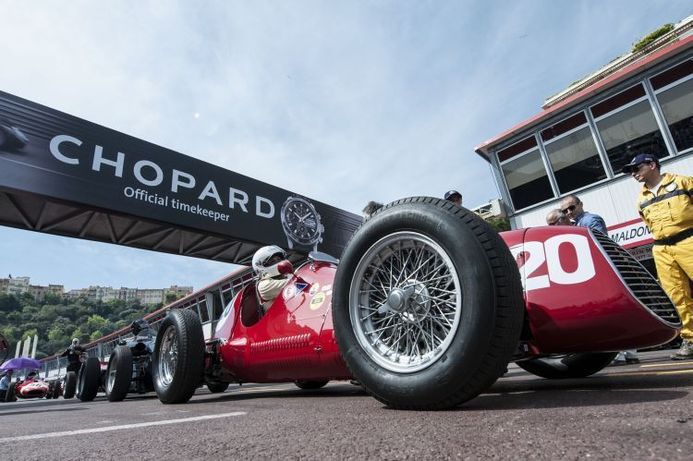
525	175
627	127
573	155
674	90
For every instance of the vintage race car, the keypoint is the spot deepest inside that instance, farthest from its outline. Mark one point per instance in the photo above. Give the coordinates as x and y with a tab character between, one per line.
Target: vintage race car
32	388
425	309
128	369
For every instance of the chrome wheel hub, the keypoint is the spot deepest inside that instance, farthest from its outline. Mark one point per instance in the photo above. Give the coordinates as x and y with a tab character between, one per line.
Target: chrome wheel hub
405	302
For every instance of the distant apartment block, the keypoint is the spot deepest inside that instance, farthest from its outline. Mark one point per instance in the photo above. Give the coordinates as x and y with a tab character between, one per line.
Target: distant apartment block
21	285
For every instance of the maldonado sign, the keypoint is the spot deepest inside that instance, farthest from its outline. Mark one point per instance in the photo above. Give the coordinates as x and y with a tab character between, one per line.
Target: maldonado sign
56	155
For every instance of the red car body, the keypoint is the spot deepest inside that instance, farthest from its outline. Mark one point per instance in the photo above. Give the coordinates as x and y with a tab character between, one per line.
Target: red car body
32	389
582	294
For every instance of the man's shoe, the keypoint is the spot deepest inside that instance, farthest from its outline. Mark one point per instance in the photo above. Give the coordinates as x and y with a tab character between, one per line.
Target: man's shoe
685	352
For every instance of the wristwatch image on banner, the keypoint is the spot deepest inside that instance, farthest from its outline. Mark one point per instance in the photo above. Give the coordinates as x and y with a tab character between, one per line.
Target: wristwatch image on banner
301	224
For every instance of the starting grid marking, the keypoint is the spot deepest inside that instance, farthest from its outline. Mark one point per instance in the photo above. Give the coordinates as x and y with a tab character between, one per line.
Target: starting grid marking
49	435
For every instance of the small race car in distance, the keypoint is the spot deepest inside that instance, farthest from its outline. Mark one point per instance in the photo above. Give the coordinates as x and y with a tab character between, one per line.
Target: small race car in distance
129	368
425	309
32	388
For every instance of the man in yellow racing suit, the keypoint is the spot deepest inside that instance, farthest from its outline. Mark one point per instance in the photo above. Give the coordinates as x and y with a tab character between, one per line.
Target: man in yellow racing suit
665	205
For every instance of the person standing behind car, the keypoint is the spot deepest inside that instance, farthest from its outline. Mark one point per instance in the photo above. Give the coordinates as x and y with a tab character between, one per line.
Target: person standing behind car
665	205
5	384
73	354
572	207
454	197
557	218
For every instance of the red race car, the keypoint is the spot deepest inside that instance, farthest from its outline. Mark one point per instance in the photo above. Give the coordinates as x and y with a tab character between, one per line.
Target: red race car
32	388
425	309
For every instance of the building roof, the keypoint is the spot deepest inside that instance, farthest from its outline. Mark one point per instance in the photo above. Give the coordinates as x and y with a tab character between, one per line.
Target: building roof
675	42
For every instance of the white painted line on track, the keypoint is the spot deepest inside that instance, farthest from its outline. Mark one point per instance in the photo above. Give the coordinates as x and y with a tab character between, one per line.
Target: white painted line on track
119	428
668	364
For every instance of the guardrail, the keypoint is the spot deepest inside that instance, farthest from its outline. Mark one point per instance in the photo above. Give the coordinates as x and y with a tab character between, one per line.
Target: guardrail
208	303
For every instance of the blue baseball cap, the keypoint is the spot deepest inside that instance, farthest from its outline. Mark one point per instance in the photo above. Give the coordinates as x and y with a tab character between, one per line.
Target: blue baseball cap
637	160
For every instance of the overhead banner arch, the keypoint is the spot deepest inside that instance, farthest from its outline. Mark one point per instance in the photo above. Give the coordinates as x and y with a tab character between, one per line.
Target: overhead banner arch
63	175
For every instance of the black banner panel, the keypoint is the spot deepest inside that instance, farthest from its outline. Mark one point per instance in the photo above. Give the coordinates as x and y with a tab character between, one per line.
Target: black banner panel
108	180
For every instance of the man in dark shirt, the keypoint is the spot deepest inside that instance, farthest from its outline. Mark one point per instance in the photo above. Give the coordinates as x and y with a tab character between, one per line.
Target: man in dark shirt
73	353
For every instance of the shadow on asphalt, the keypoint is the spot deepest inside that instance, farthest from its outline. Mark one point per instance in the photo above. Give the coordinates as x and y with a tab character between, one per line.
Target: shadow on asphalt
346	390
38	410
592	391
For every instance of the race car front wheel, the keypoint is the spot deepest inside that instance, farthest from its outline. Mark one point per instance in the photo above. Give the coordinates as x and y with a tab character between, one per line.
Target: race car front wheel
88	379
427	304
576	365
178	357
119	374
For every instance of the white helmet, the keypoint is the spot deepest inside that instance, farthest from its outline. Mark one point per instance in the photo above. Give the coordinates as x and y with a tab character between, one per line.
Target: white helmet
262	257
75	341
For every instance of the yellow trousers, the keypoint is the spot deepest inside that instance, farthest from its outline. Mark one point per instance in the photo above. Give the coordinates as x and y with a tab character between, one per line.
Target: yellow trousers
675	269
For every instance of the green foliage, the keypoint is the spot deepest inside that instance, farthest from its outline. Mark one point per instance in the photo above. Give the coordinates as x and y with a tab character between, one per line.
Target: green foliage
57	320
651	37
500	224
9	303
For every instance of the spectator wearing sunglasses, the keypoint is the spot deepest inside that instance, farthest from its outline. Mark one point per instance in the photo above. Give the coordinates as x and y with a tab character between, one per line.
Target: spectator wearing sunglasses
571	206
557	218
666	206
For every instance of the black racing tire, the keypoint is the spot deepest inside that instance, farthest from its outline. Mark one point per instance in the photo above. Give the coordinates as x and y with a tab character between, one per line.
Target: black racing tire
118	374
11	395
453	315
56	389
70	385
216	388
310	385
88	379
178	361
565	366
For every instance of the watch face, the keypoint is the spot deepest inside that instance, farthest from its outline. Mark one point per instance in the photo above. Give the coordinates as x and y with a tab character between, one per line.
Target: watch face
301	222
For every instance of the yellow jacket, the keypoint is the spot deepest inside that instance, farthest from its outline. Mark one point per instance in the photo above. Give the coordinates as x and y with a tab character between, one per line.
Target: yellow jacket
670	210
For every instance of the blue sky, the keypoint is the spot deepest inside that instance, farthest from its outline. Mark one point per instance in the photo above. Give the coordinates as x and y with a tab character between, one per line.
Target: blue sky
344	102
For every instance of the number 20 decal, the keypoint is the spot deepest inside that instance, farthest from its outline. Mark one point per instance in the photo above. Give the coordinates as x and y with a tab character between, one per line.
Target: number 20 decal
536	253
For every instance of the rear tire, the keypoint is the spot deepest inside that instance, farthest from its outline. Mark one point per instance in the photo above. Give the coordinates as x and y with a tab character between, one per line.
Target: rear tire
576	365
88	379
56	389
70	385
427	305
178	357
310	385
118	374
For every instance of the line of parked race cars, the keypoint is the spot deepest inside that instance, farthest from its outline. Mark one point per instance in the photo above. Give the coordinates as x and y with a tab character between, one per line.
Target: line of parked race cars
128	370
425	310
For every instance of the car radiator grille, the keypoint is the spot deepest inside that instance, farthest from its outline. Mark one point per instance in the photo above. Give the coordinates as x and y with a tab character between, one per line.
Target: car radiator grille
639	280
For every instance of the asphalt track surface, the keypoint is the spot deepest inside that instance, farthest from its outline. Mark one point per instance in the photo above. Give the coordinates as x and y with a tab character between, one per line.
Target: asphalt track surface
633	412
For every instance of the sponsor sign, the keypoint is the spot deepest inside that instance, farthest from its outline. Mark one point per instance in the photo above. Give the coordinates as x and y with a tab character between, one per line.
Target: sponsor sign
642	253
630	234
56	155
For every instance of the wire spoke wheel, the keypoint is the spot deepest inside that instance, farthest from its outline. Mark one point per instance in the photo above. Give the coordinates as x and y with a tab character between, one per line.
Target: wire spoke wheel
405	302
169	356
